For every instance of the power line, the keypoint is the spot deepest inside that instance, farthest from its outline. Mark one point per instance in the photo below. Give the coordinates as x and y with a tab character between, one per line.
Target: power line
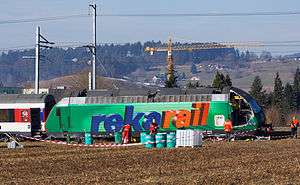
241	14
42	19
206	14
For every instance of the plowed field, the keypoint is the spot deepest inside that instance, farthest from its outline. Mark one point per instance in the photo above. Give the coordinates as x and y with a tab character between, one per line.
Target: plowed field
255	162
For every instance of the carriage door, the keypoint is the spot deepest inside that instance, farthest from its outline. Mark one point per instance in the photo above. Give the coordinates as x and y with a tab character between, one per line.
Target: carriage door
35	120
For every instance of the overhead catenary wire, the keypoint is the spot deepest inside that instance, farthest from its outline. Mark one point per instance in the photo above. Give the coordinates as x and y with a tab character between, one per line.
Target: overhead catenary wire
241	14
42	19
238	14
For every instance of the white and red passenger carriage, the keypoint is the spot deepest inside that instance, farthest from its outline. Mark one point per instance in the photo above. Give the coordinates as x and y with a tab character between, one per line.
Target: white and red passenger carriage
24	114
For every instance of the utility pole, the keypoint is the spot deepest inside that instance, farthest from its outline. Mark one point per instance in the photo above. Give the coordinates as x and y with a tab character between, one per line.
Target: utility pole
41	42
94	45
37	60
90	80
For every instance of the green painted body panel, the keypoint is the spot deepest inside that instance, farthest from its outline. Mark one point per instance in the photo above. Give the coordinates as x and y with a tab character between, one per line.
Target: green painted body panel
78	117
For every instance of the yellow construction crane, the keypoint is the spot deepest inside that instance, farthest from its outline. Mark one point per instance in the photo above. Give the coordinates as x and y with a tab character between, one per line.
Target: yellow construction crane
170	48
190	47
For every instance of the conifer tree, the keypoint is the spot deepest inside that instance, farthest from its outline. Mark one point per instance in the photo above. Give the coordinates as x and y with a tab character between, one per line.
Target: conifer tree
296	89
228	81
220	81
289	99
223	83
217	80
297	79
171	83
257	92
191	85
277	99
278	91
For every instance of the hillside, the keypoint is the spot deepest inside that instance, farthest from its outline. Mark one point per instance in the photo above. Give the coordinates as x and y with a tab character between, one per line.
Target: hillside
130	62
79	81
241	77
113	61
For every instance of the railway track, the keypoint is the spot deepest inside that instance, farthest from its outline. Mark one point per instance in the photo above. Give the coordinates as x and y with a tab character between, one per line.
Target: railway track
280	135
274	135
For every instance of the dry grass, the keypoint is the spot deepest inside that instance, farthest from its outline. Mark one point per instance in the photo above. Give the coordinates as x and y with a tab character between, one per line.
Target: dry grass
259	162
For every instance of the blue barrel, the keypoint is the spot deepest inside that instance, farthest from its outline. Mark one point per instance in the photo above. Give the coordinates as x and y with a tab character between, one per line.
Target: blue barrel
171	140
88	138
143	137
160	139
149	141
118	137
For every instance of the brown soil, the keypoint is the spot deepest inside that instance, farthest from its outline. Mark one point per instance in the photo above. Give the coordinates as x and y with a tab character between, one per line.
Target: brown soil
255	162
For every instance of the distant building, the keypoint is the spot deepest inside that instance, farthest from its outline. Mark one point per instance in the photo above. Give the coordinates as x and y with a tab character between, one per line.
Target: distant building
156	80
297	58
61	87
194	78
129	54
31	91
10	90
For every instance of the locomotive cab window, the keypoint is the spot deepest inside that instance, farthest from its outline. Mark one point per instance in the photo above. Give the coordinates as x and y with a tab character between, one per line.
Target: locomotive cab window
241	110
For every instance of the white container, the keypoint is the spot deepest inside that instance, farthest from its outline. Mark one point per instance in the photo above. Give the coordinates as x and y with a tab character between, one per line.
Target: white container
13	145
190	138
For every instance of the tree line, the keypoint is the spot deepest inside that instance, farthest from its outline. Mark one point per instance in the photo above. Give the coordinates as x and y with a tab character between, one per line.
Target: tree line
280	104
114	60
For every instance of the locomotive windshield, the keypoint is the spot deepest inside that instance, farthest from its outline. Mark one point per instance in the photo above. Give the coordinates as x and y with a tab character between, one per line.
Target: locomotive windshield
247	108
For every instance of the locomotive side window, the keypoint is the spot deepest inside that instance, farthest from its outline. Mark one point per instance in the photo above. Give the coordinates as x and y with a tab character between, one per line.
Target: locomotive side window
7	115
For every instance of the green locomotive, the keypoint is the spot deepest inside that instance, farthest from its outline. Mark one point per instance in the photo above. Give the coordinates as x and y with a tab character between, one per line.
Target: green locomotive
188	110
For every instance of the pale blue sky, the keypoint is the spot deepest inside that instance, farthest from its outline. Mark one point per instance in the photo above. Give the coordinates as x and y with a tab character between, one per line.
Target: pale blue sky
131	29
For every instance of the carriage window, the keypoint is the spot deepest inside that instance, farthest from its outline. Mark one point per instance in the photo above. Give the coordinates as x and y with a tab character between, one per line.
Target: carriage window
7	115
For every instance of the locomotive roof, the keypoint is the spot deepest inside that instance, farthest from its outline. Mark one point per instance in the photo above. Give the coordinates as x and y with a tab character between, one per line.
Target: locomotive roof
24	98
147	95
152	90
143	99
